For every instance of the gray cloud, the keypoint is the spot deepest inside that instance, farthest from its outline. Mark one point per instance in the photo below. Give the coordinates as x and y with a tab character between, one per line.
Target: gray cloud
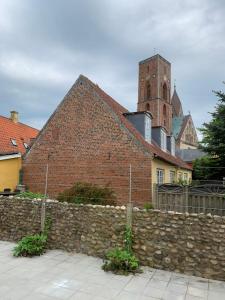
45	45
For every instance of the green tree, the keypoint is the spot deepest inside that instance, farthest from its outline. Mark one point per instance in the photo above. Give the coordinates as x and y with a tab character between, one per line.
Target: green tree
213	143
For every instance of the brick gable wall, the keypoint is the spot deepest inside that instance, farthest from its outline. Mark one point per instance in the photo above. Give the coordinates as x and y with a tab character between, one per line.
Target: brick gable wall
87	142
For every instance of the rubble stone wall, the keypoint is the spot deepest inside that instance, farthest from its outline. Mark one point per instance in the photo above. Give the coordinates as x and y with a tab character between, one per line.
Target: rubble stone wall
186	243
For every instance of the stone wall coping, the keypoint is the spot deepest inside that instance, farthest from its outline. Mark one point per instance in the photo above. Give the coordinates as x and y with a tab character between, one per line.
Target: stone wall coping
136	210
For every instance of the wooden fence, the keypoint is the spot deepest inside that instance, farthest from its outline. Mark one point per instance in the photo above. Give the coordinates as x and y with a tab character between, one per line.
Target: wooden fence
193	199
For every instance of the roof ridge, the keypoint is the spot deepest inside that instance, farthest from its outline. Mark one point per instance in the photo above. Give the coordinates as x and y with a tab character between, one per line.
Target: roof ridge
149	147
23	124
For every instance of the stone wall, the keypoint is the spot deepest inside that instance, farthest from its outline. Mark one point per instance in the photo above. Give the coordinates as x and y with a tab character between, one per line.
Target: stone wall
192	244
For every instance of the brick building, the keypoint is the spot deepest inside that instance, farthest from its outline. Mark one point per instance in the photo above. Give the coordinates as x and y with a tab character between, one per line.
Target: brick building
91	137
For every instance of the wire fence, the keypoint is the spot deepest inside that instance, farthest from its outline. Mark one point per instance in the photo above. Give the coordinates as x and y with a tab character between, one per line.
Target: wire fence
133	183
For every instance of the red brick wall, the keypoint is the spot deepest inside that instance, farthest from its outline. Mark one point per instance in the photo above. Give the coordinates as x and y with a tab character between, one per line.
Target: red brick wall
87	142
157	72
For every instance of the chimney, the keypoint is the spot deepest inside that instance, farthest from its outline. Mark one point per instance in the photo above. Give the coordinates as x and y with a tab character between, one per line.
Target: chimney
14	116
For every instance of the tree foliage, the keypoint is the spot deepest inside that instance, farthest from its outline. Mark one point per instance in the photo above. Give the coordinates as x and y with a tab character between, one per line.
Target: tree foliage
213	143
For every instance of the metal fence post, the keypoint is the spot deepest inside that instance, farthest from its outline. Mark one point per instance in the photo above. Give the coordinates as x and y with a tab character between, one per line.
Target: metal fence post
186	196
130	204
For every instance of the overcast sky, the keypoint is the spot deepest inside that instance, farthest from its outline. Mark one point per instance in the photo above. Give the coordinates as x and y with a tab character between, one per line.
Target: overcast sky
45	45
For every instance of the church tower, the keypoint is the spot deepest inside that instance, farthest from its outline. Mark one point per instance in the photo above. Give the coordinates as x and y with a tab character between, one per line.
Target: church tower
154	91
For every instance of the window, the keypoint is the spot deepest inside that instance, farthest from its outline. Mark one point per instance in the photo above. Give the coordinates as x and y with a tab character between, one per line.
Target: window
148	129
147	107
164	110
163	140
160	176
148	91
164	91
25	145
186	177
172	176
172	141
180	176
13	141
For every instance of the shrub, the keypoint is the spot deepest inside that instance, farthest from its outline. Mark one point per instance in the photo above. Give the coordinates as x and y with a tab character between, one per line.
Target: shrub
148	206
31	245
30	195
87	193
121	262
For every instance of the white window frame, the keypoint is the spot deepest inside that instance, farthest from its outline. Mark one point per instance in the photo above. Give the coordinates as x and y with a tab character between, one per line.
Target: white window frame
163	140
172	176
13	141
160	174
186	177
148	129
172	145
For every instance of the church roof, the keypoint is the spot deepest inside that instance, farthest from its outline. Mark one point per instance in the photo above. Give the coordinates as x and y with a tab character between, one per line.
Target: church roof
176	105
177	124
189	155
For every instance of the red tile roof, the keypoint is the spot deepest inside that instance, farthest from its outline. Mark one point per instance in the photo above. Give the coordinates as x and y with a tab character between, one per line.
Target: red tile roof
20	132
120	110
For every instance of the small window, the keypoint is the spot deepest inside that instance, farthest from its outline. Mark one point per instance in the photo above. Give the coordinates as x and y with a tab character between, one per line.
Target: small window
172	176
180	176
164	110
186	178
148	91
13	141
164	91
163	141
147	107
25	145
160	176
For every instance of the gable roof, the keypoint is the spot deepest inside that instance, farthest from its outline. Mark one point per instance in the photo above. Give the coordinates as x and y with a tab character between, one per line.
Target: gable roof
120	111
18	131
178	123
176	105
189	155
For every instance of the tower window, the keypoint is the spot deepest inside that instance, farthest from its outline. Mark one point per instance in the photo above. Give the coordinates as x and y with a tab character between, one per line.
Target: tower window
164	91
164	110
148	91
147	107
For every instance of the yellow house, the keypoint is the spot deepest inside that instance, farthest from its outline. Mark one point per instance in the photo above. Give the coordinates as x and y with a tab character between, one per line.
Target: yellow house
164	172
10	166
15	139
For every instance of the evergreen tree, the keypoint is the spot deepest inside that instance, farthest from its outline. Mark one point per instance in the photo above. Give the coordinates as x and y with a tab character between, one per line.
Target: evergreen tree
213	143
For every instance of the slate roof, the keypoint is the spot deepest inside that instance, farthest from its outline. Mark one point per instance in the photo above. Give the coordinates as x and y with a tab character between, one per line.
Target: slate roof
18	131
190	155
178	126
120	110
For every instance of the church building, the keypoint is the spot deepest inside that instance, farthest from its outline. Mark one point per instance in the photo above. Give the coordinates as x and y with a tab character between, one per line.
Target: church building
92	138
154	95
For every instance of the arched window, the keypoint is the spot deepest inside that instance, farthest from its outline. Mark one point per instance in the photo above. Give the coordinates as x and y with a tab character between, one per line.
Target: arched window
147	107
148	91
164	115
164	110
164	91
